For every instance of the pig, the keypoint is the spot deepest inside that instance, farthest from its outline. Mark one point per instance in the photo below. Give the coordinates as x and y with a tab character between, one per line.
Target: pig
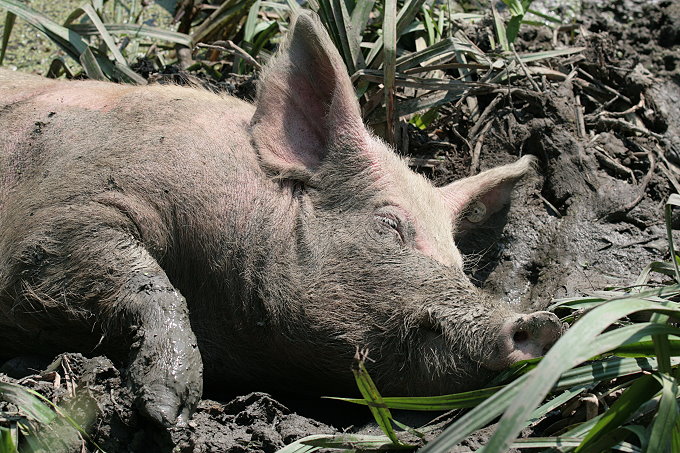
203	240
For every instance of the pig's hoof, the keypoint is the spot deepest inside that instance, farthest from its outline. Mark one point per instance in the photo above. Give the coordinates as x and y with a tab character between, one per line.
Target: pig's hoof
164	406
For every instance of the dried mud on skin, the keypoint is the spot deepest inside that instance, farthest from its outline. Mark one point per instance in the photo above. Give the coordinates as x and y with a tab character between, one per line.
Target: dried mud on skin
591	217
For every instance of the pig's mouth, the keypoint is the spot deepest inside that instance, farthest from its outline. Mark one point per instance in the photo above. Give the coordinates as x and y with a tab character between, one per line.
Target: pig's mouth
454	354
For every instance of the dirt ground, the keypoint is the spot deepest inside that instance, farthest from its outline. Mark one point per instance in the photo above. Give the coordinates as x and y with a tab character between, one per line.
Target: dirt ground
590	218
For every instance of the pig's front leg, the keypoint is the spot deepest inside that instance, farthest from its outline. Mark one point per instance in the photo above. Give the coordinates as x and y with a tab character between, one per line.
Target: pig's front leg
90	262
165	371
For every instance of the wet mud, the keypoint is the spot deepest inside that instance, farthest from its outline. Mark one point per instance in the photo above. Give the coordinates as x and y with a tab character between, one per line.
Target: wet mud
607	136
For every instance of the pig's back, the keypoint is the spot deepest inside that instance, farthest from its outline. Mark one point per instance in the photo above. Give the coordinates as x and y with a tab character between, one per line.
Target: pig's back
161	155
73	139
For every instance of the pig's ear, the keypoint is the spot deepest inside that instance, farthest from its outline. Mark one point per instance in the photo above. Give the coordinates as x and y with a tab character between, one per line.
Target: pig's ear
473	200
305	103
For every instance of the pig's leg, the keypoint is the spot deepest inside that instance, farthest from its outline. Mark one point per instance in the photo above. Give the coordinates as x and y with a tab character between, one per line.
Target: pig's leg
92	275
165	370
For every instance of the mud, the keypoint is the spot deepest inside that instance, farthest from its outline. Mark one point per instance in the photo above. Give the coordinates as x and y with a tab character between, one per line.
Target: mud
590	218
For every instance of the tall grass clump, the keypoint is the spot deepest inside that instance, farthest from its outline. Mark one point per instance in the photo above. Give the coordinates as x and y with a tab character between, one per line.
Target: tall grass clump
405	58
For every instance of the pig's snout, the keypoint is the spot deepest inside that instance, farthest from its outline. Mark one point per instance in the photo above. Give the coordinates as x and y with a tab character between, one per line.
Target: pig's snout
526	337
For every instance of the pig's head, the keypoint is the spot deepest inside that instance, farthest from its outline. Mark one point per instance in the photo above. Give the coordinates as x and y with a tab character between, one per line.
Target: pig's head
376	264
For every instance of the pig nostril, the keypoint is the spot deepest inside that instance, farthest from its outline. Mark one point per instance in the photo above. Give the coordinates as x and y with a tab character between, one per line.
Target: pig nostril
520	336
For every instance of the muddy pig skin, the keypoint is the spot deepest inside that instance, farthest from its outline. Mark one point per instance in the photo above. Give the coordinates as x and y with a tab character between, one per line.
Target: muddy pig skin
202	239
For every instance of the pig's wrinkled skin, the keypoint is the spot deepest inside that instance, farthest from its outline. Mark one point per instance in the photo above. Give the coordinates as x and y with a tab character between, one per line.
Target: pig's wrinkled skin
199	237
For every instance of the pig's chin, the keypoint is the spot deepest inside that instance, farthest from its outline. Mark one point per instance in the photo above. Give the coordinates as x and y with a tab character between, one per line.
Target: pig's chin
438	366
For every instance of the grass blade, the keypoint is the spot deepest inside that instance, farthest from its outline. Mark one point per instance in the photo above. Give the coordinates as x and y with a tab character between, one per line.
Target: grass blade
8	442
299	447
664	425
673	200
135	31
355	442
90	65
499	26
68	40
225	18
641	391
359	18
389	68
370	393
406	15
251	21
536	56
28	401
103	33
577	345
6	32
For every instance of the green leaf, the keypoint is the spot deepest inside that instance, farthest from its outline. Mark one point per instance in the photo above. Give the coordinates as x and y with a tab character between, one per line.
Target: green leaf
424	120
103	33
536	56
406	15
673	200
499	26
251	21
68	40
389	67
579	343
609	440
354	442
675	440
135	31
359	19
370	393
299	447
429	26
641	391
515	7
225	18
548	17
664	425
7	441
6	32
512	29
28	401
92	68
646	348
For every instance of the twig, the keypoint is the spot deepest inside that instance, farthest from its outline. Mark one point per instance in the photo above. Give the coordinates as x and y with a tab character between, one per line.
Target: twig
626	126
482	118
550	205
596	85
633	109
474	163
609	162
463	139
644	183
578	109
222	46
525	69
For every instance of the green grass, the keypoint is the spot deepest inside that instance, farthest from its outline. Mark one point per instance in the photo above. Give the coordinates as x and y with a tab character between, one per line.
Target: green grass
395	52
39	424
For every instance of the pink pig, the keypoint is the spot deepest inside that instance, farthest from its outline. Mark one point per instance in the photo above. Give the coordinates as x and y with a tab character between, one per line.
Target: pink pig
202	240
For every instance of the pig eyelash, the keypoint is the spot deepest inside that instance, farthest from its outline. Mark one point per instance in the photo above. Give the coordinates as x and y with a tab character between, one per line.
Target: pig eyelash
298	189
393	224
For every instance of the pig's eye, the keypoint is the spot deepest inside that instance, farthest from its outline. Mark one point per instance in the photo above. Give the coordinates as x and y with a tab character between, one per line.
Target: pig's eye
389	224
